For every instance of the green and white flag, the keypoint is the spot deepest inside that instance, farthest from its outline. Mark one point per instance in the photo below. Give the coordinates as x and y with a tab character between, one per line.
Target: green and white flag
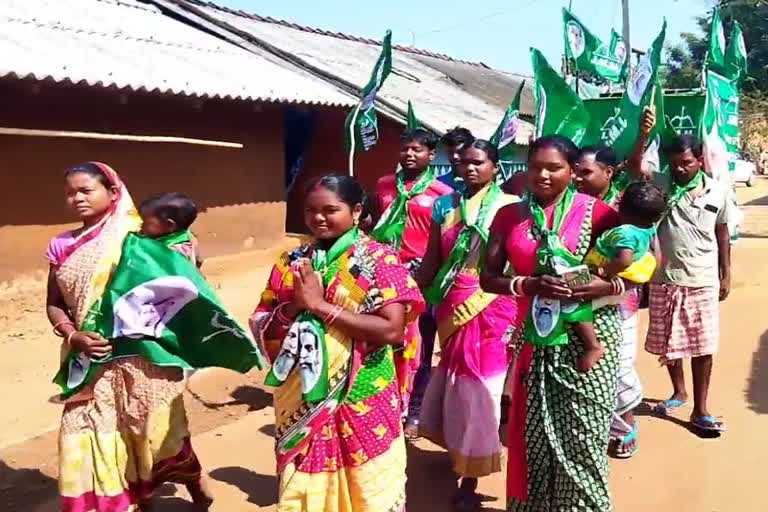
716	54
620	130
158	306
720	126
505	135
559	111
736	55
588	52
618	50
412	121
362	123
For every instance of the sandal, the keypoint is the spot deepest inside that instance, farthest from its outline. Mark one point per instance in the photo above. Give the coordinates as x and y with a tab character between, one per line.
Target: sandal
708	423
625	447
663	408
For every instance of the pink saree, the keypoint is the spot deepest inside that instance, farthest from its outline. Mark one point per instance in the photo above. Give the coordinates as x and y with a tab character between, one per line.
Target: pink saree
559	418
461	407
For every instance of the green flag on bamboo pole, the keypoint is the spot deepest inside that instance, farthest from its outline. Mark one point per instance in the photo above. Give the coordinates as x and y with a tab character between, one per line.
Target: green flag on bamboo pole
620	130
588	52
412	122
361	127
504	136
559	111
720	125
736	55
716	53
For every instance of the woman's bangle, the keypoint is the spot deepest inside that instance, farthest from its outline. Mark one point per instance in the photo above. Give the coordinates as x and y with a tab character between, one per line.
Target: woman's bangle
516	286
56	326
618	286
333	315
68	339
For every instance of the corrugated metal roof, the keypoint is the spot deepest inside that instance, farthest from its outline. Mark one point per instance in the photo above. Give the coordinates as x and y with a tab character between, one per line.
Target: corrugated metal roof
132	45
440	100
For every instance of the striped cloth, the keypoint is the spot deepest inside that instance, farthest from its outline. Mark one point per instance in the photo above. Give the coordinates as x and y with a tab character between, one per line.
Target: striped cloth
684	321
629	392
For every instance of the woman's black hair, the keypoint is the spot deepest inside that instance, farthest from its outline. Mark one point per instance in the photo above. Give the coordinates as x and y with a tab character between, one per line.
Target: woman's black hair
91	169
457	136
603	154
346	188
683	142
483	145
420	136
563	145
173	206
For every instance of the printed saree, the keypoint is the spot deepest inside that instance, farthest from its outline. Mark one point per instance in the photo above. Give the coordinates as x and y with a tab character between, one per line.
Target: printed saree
559	418
126	432
461	406
345	453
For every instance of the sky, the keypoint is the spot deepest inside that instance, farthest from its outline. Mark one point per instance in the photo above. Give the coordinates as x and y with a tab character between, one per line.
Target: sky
496	32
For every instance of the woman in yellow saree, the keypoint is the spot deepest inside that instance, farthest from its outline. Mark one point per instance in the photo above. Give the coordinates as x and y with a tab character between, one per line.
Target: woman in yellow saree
328	318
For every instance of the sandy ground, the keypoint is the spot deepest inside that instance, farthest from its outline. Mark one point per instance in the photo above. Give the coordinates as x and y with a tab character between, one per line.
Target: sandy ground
231	415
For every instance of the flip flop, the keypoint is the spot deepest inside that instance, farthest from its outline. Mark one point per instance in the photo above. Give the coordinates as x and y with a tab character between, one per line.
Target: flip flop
663	408
708	423
620	453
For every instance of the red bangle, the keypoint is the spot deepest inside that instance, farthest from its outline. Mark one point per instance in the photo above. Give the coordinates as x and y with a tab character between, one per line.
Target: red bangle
333	315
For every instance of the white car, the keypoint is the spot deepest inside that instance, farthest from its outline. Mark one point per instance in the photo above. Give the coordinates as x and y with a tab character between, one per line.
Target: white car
744	172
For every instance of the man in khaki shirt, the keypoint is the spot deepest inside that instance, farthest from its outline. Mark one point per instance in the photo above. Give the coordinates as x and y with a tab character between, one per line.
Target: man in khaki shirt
693	273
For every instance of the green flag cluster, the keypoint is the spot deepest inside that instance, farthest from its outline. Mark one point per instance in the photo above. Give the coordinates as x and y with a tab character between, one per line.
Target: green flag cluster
726	70
620	130
592	55
361	126
158	306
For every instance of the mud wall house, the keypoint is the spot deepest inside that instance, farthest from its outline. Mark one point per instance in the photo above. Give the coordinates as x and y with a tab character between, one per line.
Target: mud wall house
101	80
445	91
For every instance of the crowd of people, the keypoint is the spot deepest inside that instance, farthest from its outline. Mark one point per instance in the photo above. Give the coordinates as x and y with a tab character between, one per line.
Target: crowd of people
530	287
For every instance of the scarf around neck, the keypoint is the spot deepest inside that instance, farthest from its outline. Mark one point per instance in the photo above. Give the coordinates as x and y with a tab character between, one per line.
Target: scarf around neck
304	346
463	244
391	226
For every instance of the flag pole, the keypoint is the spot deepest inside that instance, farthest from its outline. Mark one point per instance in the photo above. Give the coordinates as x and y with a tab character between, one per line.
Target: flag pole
625	33
352	140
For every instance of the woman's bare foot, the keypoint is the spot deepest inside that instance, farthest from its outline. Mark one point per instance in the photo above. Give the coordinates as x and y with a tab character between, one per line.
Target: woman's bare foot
589	359
201	495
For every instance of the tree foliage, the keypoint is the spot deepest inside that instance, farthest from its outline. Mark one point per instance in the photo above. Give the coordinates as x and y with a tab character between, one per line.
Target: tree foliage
685	60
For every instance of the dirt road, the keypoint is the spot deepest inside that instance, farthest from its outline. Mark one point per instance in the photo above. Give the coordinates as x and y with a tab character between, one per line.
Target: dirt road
231	415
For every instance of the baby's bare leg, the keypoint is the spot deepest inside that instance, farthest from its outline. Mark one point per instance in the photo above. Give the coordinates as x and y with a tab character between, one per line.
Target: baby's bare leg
593	350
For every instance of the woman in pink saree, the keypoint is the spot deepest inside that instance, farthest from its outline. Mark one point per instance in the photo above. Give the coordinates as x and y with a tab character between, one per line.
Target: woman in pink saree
462	403
559	417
